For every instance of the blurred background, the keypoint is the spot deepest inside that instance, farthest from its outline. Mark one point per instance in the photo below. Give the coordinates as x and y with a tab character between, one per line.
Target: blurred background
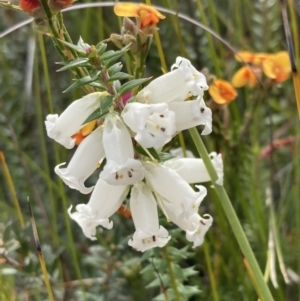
257	134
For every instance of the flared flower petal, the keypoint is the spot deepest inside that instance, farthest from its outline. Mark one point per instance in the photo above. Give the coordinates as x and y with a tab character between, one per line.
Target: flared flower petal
121	168
244	56
195	226
222	91
193	170
154	125
246	76
198	78
143	207
84	162
278	67
255	59
104	202
192	113
62	128
201	226
172	187
130	172
178	84
146	15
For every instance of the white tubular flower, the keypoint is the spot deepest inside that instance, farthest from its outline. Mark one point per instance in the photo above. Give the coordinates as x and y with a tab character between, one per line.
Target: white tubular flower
143	208
194	171
61	128
104	202
195	226
121	167
197	78
178	152
172	187
182	81
201	226
84	162
154	125
192	113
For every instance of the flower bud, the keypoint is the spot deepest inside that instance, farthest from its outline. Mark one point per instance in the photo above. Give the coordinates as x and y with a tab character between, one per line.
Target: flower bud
129	26
117	40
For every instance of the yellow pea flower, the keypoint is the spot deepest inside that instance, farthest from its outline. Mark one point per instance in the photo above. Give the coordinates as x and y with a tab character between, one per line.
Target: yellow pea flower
222	92
244	56
244	76
251	58
146	15
278	67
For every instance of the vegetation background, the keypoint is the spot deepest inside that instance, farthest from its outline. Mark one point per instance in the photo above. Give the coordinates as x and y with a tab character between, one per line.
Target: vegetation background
258	135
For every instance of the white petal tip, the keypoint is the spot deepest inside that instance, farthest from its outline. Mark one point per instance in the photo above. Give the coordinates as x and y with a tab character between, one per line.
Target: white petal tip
143	242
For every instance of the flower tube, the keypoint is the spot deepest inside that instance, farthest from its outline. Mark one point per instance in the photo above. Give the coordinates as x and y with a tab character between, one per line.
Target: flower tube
178	84
192	113
121	167
193	170
84	162
62	128
143	208
171	186
104	202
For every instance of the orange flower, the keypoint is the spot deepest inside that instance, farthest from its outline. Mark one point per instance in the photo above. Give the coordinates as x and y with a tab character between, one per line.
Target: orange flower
244	56
244	76
146	15
222	92
251	58
86	130
278	67
29	6
58	5
259	58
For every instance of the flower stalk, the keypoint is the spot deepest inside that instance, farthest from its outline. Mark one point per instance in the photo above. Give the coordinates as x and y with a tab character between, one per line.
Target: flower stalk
171	273
254	269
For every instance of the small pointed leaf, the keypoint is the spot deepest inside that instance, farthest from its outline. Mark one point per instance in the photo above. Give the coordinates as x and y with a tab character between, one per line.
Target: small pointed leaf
119	76
132	84
74	47
104	107
101	47
79	83
79	62
114	68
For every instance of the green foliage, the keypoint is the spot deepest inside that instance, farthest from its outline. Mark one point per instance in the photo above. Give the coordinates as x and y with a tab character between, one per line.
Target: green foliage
244	132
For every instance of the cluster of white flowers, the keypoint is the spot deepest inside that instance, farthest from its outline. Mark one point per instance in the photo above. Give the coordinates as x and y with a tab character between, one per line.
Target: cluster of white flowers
160	110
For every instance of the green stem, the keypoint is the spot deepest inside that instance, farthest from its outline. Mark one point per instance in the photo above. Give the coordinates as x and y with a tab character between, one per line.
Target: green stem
210	272
171	274
254	269
11	188
40	121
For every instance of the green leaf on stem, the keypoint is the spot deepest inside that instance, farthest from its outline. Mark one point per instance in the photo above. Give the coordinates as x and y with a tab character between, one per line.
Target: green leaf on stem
82	81
111	56
132	84
101	47
151	151
103	109
79	62
115	68
119	76
78	49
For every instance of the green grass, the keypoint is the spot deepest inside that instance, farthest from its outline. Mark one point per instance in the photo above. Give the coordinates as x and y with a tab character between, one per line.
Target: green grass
108	269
